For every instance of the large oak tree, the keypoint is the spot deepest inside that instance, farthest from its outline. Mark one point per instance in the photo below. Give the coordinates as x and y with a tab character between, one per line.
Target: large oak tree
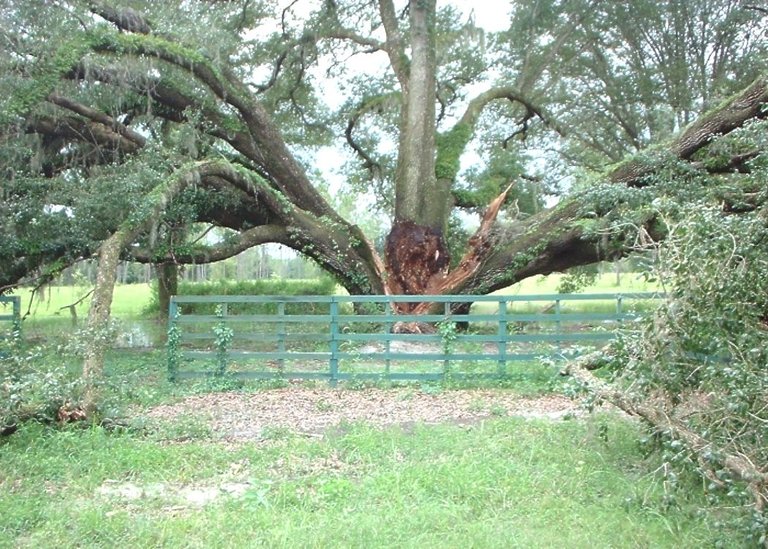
130	122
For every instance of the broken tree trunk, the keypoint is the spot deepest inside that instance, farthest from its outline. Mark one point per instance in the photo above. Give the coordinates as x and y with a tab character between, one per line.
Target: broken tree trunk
417	262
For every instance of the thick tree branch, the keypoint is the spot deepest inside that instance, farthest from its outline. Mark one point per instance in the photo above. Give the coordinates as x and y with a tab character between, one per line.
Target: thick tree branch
76	129
267	146
752	103
175	107
394	45
338	247
452	144
98	117
209	254
125	19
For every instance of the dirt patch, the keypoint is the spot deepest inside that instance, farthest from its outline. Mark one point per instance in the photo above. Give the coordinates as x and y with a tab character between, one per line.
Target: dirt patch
318	411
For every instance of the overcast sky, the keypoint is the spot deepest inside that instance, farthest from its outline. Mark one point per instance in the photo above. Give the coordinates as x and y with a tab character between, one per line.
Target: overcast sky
489	14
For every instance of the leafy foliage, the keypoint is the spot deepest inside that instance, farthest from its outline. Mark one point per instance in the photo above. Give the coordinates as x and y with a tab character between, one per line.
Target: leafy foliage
702	357
34	388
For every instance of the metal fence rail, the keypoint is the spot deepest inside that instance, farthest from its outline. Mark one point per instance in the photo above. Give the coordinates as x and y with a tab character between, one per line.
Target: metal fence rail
353	337
13	316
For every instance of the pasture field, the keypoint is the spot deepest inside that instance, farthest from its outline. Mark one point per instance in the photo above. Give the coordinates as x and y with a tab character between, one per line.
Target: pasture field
131	300
604	283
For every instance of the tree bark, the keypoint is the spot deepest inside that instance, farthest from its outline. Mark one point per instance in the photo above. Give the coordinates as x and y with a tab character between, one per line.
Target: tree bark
416	250
99	318
167	286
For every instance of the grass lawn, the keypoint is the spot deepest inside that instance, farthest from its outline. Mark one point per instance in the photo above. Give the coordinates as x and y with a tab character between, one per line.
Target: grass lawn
500	482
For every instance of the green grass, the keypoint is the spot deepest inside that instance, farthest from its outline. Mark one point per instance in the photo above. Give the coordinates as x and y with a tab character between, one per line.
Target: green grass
605	283
129	301
502	483
505	482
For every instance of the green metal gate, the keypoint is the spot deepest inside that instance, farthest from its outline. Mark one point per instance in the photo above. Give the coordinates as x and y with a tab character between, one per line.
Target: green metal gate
352	337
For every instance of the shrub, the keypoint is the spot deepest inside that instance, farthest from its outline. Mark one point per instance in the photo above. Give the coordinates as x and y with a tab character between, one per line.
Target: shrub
33	389
270	286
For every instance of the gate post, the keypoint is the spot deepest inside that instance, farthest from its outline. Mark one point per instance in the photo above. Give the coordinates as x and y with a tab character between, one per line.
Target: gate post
281	335
502	333
173	339
16	316
334	360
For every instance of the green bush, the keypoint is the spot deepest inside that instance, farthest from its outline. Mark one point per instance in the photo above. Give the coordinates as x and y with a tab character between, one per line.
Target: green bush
269	286
32	388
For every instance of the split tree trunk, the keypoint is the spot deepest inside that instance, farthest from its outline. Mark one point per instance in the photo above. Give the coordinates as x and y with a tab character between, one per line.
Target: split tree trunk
416	250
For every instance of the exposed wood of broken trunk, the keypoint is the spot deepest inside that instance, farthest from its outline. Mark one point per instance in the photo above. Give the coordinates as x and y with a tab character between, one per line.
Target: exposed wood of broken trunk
415	249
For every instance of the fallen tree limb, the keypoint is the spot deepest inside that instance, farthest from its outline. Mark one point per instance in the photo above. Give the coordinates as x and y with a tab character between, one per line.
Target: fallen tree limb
738	465
73	307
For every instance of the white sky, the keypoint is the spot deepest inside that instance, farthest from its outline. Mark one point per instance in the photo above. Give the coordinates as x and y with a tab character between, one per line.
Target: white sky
491	15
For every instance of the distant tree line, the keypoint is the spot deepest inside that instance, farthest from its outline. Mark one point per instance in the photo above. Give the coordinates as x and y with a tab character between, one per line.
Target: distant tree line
253	264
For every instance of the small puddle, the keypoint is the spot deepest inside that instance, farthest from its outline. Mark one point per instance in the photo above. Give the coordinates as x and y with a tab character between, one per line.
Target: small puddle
134	334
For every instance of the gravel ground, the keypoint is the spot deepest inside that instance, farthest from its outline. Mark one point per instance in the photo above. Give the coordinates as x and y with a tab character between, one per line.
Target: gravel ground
316	411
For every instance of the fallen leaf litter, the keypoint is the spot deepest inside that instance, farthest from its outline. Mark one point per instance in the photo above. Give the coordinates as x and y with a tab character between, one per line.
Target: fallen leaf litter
316	411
